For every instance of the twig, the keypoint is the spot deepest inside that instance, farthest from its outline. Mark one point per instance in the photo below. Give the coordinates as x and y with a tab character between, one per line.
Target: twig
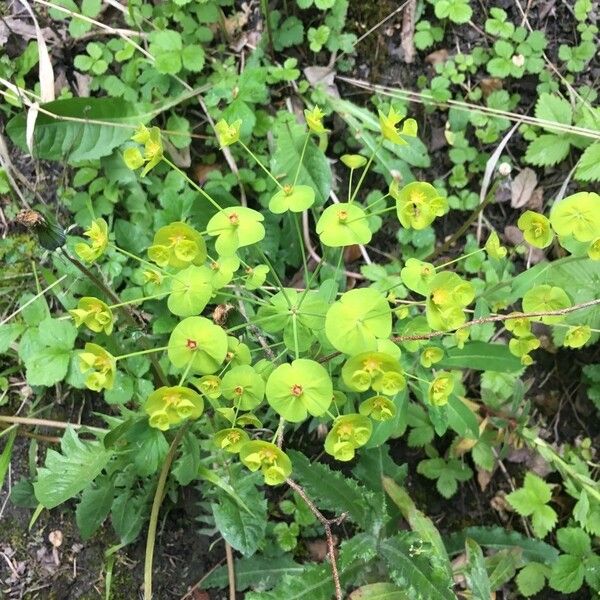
47	423
327	523
253	328
156	504
230	571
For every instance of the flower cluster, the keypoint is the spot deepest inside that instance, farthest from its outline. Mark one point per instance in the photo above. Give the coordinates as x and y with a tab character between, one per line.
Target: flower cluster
100	366
168	406
153	150
94	314
376	370
98	236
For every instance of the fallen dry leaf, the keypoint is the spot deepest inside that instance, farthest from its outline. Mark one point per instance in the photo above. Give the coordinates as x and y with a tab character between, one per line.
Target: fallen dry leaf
437	57
483	478
55	538
489	85
522	187
536	202
325	76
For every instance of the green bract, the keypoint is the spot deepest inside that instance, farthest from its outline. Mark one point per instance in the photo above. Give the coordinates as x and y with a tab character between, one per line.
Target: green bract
153	149
348	432
231	440
578	336
274	464
235	227
521	347
170	405
431	355
448	295
389	130
536	229
199	341
98	236
314	120
295	198
191	289
94	314
578	216
298	389
493	247
417	204
378	408
353	161
209	385
244	386
102	365
238	353
177	245
343	224
519	326
355	322
373	370
546	298
228	134
594	250
440	388
223	270
416	275
255	276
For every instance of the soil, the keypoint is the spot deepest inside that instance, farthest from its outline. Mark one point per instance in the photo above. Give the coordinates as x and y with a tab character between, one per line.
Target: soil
31	568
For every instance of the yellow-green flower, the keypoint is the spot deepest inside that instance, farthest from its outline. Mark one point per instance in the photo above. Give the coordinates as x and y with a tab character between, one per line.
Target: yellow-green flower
389	130
314	120
377	370
100	366
274	464
94	314
594	250
521	347
519	326
448	296
417	204
536	229
493	247
577	336
153	149
228	134
578	216
231	440
177	245
209	385
441	388
133	158
98	236
431	355
378	408
347	433
176	403
353	161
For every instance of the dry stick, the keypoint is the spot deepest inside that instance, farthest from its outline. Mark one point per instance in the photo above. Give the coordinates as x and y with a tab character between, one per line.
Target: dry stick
327	523
230	571
156	504
47	423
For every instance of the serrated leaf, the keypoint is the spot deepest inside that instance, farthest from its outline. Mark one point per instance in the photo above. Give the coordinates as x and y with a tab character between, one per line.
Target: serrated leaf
482	356
94	507
60	139
547	150
531	579
65	474
567	574
378	591
330	490
461	418
588	168
242	530
551	107
477	576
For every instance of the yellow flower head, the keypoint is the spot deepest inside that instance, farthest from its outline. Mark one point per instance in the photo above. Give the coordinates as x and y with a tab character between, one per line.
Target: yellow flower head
98	236
314	120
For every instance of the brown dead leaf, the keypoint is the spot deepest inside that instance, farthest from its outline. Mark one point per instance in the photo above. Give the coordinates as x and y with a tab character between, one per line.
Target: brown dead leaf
201	172
530	459
536	202
437	57
235	23
324	76
500	505
522	187
351	253
199	595
317	550
483	478
489	85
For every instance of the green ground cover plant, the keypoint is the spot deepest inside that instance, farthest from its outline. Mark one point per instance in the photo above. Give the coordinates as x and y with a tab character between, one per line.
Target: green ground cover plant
193	286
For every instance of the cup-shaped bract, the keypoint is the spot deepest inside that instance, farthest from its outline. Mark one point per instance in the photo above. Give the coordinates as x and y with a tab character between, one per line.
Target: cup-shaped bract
235	227
440	388
416	275
536	229
99	365
343	224
94	314
418	204
298	389
244	386
274	464
546	298
578	216
295	198
97	233
379	408
231	440
177	245
348	433
191	290
177	403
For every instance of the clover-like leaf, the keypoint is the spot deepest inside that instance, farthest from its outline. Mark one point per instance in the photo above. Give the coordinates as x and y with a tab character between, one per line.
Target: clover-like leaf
536	229
295	198
343	224
417	204
355	322
348	433
578	216
199	341
298	389
244	386
274	464
416	275
235	227
546	298
191	289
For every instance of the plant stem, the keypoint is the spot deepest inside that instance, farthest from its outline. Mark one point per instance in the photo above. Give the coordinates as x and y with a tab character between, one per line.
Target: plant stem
141	352
295	218
301	158
259	163
140	260
462	257
364	173
156	503
139	300
48	423
193	183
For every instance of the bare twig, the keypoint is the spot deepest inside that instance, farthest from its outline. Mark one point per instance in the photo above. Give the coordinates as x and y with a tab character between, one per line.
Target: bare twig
230	571
47	423
327	523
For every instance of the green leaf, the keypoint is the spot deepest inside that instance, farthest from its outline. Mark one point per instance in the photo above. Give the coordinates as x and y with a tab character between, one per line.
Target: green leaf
128	514
588	168
477	576
551	107
482	356
575	541
461	418
547	150
532	579
66	474
447	473
378	591
330	490
191	290
193	57
243	531
6	455
567	574
9	332
94	507
76	141
497	538
314	172
257	572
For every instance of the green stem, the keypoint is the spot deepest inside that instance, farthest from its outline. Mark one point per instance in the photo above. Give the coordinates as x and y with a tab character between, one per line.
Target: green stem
350	185
295	218
193	183
140	260
301	158
276	276
450	262
259	163
364	173
187	369
139	300
158	498
295	331
141	352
